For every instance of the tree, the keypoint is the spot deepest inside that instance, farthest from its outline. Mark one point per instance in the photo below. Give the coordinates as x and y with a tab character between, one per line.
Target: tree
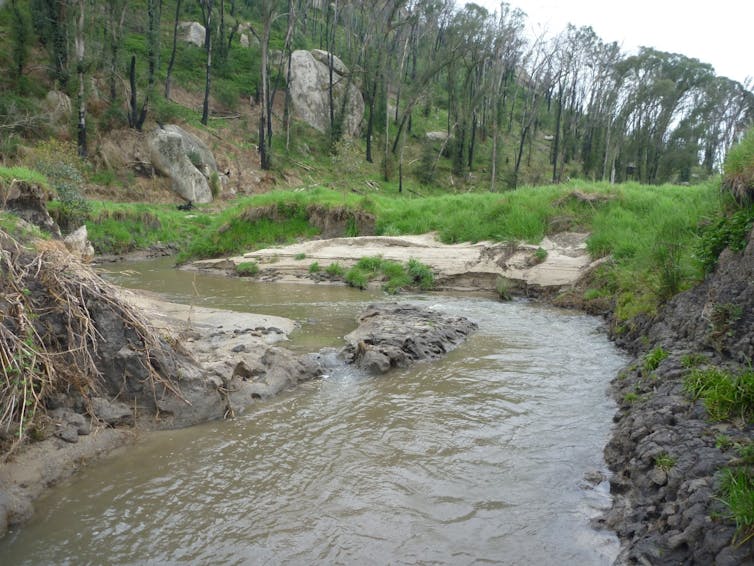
206	6
169	75
136	116
20	34
80	53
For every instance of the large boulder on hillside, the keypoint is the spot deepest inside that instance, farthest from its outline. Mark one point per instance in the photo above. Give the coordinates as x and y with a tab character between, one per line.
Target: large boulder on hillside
192	32
310	79
184	158
57	108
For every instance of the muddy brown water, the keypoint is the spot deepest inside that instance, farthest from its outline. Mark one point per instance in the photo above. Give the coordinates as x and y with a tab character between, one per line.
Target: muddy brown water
477	458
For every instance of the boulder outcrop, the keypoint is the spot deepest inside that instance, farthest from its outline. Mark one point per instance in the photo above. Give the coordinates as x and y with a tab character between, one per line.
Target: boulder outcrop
185	159
192	32
666	452
309	90
398	335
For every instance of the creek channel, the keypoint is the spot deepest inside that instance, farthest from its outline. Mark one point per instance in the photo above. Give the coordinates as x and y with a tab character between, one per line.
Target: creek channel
479	457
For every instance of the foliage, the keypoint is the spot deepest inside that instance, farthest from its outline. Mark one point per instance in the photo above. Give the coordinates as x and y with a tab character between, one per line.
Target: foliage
653	359
394	275
335	270
60	165
247	268
737	493
503	287
726	396
726	231
314	267
739	170
664	461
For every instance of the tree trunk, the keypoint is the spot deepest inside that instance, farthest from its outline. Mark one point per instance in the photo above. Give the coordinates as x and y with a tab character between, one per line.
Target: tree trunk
208	76
264	114
80	52
173	50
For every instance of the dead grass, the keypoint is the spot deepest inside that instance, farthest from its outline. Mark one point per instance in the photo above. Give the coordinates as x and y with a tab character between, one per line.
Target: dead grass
48	338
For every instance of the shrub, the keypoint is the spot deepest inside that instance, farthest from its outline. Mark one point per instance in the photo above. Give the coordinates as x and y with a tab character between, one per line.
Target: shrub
299	257
314	268
727	231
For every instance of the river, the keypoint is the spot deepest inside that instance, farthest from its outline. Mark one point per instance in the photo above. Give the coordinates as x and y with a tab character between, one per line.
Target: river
478	458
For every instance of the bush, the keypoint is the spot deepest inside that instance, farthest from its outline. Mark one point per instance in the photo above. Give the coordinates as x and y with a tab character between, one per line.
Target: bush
727	231
314	268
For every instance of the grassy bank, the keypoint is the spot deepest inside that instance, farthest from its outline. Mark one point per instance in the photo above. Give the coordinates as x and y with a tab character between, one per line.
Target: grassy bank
652	234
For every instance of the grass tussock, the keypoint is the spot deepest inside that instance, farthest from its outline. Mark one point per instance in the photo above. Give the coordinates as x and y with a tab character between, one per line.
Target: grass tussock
394	275
726	396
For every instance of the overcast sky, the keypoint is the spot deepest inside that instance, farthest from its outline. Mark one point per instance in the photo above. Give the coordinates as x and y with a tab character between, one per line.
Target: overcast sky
716	32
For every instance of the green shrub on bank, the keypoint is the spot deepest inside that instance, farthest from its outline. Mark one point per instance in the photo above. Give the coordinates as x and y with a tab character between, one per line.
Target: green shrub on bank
726	231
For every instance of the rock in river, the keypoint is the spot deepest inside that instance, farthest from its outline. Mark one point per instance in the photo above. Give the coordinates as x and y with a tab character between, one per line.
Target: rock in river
393	335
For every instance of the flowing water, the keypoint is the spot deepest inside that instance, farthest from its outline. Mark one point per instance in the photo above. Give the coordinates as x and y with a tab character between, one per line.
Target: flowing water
477	458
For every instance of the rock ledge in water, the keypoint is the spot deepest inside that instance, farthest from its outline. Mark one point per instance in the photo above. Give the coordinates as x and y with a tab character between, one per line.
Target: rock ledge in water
393	335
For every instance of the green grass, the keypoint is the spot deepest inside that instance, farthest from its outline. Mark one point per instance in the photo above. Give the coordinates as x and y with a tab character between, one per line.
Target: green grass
247	268
335	270
120	228
726	396
737	493
653	359
634	224
664	461
7	174
394	275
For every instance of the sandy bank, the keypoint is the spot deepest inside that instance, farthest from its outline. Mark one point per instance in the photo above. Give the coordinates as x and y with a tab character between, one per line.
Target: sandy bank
458	267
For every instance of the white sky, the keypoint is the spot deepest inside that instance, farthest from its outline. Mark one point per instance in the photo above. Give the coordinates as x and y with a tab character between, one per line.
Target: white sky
716	32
